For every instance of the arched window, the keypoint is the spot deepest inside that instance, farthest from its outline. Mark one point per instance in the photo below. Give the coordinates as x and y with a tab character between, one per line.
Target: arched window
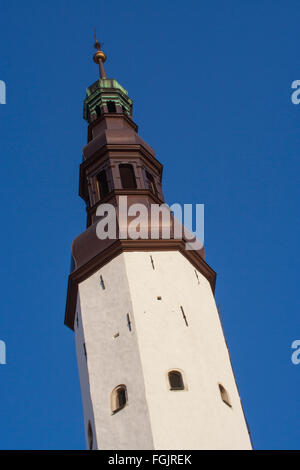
224	395
118	398
175	380
111	107
102	184
127	176
90	436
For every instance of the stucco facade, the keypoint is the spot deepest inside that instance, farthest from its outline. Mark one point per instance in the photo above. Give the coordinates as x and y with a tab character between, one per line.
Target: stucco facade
155	289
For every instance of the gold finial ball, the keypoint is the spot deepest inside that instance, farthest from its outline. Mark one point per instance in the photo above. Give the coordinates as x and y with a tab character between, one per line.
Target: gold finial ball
99	55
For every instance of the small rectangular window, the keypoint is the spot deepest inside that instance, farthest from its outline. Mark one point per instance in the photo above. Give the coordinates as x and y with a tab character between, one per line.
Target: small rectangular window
102	184
127	175
151	183
98	111
111	107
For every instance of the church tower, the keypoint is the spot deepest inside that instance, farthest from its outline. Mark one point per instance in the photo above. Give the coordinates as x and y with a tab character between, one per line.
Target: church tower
154	367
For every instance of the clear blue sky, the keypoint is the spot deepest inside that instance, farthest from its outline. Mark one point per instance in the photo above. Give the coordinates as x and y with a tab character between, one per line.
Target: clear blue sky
211	86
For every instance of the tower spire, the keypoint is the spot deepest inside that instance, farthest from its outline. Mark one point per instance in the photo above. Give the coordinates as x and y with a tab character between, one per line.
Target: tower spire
99	57
131	349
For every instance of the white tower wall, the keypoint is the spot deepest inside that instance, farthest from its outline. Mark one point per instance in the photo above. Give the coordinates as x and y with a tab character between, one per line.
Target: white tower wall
159	341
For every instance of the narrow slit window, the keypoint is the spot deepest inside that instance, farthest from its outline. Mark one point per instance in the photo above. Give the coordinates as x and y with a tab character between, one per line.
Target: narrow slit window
175	380
111	107
224	395
184	316
90	436
127	175
84	349
102	282
128	321
152	262
102	184
118	398
77	321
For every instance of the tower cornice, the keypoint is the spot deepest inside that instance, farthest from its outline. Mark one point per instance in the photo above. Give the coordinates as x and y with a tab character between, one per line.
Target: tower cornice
113	248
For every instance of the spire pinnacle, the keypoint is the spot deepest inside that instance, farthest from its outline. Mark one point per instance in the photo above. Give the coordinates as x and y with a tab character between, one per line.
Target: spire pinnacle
99	57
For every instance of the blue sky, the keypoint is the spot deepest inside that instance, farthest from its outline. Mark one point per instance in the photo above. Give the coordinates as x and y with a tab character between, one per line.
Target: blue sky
211	83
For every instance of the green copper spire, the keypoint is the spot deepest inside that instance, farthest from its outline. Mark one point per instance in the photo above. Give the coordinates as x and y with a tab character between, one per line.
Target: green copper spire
106	95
